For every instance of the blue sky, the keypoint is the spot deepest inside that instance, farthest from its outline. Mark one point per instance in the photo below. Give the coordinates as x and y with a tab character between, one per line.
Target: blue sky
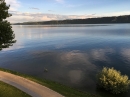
44	10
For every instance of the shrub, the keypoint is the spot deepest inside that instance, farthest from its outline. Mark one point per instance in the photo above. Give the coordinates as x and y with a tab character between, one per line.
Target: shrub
112	80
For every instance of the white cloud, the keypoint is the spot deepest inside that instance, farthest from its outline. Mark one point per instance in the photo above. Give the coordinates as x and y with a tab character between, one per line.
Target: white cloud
28	17
34	8
60	1
115	13
25	17
14	4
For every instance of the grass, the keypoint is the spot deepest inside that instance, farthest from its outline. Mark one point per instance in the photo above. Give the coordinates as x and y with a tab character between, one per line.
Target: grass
62	89
10	91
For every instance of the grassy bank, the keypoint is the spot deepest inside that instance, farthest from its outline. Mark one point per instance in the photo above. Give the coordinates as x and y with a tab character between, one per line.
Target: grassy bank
10	91
62	89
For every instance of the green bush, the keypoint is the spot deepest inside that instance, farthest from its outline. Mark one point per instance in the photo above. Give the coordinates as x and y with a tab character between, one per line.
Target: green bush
112	80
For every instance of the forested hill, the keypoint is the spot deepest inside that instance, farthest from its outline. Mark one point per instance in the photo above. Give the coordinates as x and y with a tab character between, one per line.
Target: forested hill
101	20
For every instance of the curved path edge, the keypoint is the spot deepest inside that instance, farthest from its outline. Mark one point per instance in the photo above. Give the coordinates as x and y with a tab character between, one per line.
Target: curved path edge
32	88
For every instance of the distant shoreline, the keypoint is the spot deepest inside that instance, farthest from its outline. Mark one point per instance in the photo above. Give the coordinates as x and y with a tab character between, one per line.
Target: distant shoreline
98	20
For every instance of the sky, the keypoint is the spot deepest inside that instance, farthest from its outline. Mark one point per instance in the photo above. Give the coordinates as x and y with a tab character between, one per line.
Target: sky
46	10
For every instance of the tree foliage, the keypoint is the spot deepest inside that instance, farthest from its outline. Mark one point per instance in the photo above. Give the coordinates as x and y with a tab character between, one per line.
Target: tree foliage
6	34
112	80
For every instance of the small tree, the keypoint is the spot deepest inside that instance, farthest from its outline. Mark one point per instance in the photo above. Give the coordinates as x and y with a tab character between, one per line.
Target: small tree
112	80
6	33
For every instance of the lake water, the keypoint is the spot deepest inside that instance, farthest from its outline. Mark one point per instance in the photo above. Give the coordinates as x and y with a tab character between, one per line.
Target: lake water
73	54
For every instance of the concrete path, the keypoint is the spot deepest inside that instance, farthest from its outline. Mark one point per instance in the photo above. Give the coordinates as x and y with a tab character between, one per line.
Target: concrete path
30	87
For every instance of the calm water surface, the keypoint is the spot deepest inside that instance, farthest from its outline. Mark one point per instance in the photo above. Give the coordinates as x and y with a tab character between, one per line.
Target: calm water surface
73	54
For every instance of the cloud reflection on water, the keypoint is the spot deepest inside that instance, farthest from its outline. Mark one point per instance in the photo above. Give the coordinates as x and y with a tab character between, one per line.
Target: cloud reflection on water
101	54
126	53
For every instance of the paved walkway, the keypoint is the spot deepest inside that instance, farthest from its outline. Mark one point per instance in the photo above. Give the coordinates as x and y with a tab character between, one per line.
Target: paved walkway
30	87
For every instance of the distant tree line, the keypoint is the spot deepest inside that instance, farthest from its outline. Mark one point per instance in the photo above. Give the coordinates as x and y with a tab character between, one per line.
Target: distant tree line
99	20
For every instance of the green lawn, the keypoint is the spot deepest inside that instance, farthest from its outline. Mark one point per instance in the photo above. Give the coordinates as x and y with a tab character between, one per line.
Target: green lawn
10	91
62	89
